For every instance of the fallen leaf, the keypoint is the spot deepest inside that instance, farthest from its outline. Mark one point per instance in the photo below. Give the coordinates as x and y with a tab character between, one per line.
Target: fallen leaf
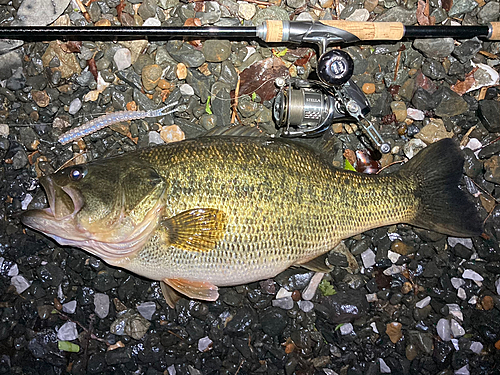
92	67
461	87
72	46
447	4
260	77
423	17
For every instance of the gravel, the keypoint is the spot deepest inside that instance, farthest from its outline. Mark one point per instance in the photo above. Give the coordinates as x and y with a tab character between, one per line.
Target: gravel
416	302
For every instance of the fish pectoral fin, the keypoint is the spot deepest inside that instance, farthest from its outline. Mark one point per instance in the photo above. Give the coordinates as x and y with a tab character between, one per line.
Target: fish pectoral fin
170	295
194	289
198	230
318	264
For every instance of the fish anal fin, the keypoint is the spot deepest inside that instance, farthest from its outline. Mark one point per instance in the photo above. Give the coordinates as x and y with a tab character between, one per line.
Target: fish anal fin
318	264
202	290
170	295
199	229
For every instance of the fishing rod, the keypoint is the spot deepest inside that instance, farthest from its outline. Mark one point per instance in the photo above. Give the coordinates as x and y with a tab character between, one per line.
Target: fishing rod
303	108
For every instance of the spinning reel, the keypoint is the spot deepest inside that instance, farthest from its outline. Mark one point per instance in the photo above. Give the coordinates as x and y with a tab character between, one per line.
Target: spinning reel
305	108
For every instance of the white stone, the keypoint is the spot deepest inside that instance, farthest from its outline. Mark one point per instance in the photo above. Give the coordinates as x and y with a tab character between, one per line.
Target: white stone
393	257
101	304
485	75
26	201
371	297
186	89
20	283
461	294
69	307
474	145
60	293
305	306
456	329
346	329
246	11
455	311
457	282
329	371
310	290
171	370
4	130
151	21
155	138
472	275
360	15
205	344
497	285
443	329
463	370
455	344
75	106
423	302
473	300
14	270
194	370
384	369
304	16
368	258
393	236
282	293
374	327
467	242
67	332
147	309
476	347
415	114
283	303
392	270
122	58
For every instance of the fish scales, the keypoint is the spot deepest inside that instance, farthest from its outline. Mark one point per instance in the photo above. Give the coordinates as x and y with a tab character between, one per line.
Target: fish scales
220	211
284	205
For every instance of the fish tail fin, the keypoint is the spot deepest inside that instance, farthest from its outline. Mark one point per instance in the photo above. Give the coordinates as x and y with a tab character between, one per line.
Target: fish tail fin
442	206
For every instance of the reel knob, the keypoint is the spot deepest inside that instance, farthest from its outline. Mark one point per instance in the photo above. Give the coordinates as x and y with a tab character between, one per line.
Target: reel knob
335	67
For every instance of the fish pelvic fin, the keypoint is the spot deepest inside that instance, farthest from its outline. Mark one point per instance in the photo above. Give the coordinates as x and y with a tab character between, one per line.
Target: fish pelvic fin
170	295
199	229
203	290
441	205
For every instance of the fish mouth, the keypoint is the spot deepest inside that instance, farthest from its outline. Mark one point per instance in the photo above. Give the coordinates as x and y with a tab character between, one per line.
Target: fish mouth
64	203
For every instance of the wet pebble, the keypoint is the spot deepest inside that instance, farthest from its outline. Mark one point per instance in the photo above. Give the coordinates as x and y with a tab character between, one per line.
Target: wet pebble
101	305
122	58
67	332
147	309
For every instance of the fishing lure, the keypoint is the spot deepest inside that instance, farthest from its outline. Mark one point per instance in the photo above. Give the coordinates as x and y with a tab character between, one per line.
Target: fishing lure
112	118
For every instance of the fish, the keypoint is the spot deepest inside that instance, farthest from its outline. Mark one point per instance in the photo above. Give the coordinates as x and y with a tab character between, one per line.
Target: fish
228	210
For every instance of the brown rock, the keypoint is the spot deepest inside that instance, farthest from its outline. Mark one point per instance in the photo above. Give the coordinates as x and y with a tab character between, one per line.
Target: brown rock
172	133
181	71
69	64
487	303
368	88
492	169
370	5
433	132
393	330
41	98
151	74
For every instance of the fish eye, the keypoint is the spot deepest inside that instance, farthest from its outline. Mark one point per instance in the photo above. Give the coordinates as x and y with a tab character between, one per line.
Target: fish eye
76	174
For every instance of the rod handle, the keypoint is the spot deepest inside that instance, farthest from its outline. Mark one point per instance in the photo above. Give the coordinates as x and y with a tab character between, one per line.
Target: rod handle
494	31
363	30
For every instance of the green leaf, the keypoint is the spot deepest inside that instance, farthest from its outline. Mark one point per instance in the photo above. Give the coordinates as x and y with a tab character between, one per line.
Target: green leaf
207	106
348	166
280	53
326	288
68	346
254	96
338	326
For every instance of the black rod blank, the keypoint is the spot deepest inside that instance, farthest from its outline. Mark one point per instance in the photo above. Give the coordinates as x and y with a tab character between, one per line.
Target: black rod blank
455	32
36	33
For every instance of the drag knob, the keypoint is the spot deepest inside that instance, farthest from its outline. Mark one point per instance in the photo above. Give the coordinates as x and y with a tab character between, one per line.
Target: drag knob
335	67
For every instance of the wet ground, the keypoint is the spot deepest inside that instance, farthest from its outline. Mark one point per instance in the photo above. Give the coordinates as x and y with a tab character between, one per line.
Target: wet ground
409	301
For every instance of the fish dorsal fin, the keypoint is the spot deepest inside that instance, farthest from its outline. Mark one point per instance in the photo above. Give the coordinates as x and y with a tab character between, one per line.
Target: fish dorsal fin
318	264
237	131
199	229
203	290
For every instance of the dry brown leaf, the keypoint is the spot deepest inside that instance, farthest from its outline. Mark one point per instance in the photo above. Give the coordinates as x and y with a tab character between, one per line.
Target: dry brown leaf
423	17
92	67
461	87
447	4
260	77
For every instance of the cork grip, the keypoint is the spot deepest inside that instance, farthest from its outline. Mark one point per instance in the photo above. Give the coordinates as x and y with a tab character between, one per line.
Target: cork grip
370	30
495	31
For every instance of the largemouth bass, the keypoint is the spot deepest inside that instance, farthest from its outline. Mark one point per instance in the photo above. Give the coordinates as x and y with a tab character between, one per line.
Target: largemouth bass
221	211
